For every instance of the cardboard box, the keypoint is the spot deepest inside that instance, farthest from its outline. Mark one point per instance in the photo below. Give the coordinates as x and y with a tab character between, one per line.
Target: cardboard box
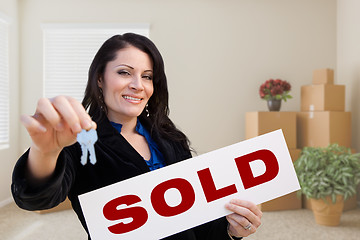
319	129
258	123
323	97
62	206
295	154
290	201
323	76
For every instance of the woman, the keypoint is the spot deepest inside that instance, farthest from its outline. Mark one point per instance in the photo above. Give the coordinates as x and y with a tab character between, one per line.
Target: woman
127	101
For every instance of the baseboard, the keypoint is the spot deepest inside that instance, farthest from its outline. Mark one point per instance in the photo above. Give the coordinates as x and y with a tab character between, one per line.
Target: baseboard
6	202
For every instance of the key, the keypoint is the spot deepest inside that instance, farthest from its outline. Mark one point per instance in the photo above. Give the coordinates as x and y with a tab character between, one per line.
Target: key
87	140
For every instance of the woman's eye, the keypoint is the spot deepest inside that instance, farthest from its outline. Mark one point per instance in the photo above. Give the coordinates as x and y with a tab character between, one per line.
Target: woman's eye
148	77
123	72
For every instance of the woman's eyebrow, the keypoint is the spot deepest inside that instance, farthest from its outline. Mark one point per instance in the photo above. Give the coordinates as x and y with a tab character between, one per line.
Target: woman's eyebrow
124	65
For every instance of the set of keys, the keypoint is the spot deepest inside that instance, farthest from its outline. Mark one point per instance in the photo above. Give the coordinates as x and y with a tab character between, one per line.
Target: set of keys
87	140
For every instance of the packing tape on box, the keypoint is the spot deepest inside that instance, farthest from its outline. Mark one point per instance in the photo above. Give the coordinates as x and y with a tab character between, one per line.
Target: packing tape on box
312	107
311	115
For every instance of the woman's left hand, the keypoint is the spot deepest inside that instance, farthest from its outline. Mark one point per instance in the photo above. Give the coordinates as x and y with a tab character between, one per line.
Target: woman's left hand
246	218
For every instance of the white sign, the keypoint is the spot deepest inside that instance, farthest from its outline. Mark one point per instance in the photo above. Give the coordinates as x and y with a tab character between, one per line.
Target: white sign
189	193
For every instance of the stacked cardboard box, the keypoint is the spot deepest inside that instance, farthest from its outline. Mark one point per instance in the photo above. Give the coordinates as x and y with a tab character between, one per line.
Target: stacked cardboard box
258	123
323	120
319	129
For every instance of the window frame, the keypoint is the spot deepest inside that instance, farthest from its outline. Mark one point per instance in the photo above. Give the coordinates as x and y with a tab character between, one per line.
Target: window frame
4	82
57	76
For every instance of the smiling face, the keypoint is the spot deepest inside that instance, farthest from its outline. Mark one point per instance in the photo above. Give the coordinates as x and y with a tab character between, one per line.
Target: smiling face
127	84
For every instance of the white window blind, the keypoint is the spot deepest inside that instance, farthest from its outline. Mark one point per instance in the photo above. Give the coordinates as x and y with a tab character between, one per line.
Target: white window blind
4	83
69	50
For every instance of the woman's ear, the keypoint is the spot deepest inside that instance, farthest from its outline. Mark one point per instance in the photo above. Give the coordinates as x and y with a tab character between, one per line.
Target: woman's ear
99	82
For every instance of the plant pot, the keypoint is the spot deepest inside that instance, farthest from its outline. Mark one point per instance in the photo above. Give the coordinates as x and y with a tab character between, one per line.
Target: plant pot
326	212
274	105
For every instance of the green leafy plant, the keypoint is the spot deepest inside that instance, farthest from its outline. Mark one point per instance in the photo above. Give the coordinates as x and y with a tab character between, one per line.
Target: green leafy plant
329	171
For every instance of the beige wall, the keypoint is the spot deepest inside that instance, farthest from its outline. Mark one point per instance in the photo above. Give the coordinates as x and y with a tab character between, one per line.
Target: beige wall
9	156
217	53
348	61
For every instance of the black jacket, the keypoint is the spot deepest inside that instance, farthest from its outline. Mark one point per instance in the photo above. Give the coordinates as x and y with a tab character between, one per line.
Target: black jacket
117	160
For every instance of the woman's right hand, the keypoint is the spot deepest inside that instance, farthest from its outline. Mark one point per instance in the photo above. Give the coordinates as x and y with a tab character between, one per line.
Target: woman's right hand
54	126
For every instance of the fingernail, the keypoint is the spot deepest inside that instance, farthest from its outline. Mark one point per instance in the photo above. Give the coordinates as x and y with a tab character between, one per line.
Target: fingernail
42	128
24	119
88	124
76	127
59	126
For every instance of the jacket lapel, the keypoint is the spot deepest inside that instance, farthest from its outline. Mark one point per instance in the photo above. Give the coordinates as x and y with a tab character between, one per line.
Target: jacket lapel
111	138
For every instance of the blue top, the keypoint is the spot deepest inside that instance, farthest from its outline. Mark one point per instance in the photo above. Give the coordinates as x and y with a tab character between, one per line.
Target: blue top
157	159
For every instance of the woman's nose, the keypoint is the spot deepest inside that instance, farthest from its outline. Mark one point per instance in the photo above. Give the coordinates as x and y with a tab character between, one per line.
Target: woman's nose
136	83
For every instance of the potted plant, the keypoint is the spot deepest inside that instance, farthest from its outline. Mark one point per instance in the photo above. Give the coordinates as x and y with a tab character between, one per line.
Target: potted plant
327	177
273	91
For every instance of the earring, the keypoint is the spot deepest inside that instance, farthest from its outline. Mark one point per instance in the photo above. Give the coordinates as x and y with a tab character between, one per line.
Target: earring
101	99
147	110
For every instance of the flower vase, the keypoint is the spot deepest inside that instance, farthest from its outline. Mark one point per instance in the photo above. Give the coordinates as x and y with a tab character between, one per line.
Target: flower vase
274	105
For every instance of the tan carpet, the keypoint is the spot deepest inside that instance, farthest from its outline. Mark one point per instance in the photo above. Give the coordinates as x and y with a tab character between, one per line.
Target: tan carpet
17	224
300	224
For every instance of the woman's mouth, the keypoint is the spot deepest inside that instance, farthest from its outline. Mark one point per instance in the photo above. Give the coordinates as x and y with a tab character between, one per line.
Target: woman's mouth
132	99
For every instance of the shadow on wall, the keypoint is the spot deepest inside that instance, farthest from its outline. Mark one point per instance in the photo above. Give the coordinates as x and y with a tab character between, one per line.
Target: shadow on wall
355	104
355	111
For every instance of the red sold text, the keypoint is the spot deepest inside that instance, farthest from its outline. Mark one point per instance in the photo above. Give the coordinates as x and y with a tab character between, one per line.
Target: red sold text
140	215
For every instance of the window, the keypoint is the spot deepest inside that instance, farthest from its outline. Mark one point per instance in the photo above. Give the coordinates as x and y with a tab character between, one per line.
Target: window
4	83
69	50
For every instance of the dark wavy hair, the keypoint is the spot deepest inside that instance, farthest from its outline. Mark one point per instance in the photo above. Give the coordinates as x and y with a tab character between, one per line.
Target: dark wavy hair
158	105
